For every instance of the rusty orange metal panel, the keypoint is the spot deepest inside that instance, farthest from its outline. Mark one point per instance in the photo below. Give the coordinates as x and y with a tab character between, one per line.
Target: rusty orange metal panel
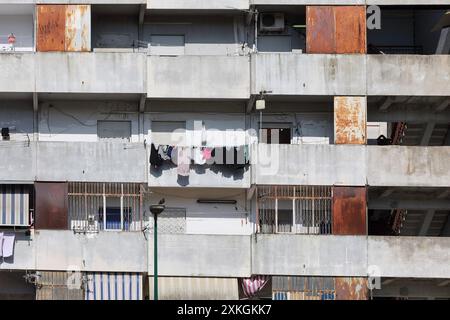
350	120
351	288
350	29
51	205
349	211
320	29
78	28
51	21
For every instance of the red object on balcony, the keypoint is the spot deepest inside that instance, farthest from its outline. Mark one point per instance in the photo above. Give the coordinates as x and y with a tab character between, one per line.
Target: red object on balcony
11	38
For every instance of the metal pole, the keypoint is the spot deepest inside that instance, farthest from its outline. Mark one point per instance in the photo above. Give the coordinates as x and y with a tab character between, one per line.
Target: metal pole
155	259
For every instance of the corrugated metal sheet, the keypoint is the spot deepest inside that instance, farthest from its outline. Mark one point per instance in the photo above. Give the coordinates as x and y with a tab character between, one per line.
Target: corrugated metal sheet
320	29
63	27
54	285
335	29
51	205
51	21
352	289
14	205
78	28
114	286
189	288
350	29
349	211
350	120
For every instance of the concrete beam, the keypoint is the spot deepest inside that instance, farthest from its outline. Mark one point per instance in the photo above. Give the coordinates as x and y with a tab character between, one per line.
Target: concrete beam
426	222
427	134
441	106
412	289
398	203
416	113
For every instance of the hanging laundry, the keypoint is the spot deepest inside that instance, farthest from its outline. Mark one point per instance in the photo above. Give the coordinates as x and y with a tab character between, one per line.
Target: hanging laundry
183	161
198	156
155	158
162	152
251	286
169	151
207	153
1	244
8	244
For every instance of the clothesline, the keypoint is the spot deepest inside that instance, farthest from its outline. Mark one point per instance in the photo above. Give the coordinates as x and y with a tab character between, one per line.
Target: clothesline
182	156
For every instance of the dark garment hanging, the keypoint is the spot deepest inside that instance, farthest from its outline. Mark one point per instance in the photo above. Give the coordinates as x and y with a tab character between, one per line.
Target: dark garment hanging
155	158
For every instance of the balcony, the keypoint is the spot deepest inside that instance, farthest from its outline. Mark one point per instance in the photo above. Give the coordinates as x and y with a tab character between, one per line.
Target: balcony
72	161
18	72
408	75
305	74
198	77
355	165
199	4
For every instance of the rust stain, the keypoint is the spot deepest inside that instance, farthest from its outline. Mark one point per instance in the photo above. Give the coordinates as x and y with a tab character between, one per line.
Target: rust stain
350	123
335	29
349	211
320	26
351	288
77	33
350	29
50	27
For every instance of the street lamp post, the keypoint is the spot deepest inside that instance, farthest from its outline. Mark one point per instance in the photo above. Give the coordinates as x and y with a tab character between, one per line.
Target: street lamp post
156	210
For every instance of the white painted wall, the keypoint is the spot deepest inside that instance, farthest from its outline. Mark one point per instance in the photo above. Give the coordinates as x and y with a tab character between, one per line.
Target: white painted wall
225	219
77	120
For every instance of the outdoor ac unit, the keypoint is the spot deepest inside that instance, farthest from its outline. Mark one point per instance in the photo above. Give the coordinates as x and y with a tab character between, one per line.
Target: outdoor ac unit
271	22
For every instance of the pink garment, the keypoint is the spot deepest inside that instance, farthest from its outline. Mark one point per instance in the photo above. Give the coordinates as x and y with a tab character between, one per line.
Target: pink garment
183	161
207	153
252	285
8	244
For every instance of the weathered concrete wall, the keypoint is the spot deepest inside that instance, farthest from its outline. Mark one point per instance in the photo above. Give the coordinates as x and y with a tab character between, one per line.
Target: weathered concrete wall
112	251
309	255
198	4
200	77
408	166
202	255
17	161
309	165
17	72
416	257
91	161
90	72
408	75
301	74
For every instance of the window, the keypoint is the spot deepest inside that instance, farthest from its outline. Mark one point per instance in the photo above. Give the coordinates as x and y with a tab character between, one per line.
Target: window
167	45
114	130
276	135
294	209
105	206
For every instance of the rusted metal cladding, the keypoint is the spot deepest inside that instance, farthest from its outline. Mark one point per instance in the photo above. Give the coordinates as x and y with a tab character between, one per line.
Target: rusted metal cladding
51	205
51	21
335	29
78	28
350	120
351	288
349	211
320	29
350	29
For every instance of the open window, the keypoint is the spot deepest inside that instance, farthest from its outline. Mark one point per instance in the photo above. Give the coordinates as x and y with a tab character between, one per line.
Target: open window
276	133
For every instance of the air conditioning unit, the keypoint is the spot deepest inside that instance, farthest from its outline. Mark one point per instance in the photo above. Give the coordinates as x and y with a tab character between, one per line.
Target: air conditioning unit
271	22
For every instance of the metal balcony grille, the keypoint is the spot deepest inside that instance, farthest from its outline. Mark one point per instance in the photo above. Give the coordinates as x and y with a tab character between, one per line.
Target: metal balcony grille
295	209
105	206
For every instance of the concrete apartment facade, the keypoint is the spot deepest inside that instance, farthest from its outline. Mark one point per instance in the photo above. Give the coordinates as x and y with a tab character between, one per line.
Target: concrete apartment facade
318	149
